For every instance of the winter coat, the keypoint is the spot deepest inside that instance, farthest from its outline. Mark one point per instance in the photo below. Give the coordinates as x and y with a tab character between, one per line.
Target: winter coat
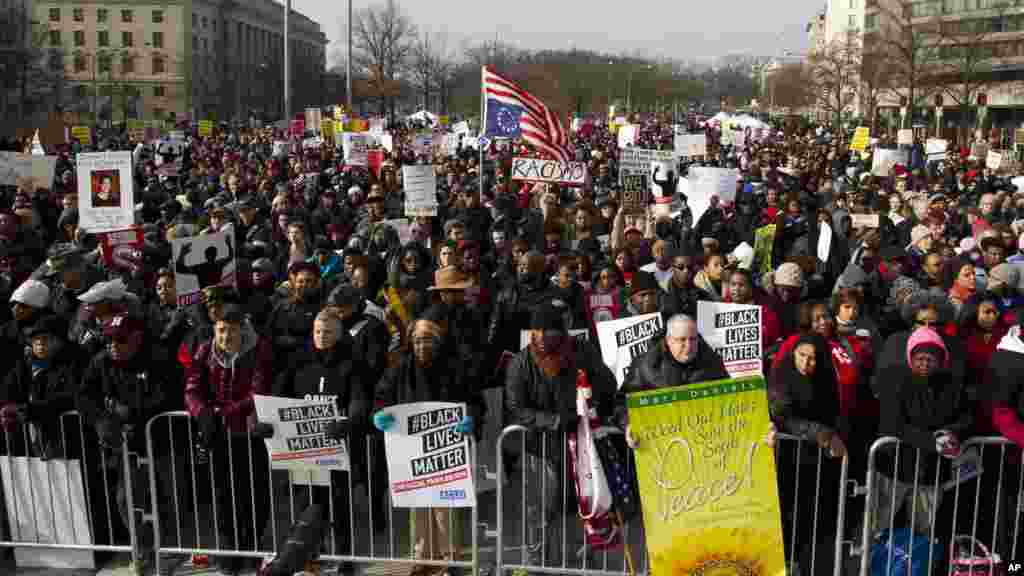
214	381
45	394
1005	390
657	368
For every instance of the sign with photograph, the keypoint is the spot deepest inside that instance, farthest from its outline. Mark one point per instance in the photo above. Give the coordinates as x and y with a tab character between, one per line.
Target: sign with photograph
201	262
106	198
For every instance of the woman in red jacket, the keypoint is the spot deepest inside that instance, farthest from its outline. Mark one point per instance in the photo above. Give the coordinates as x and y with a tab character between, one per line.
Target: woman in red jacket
982	326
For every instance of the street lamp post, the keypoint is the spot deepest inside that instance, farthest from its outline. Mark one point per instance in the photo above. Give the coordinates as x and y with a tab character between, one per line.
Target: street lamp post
348	64
287	61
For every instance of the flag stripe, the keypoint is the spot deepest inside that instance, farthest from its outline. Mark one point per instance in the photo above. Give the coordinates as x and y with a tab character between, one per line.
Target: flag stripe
538	125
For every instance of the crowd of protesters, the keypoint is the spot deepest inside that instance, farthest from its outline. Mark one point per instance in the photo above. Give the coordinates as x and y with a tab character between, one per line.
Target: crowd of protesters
907	326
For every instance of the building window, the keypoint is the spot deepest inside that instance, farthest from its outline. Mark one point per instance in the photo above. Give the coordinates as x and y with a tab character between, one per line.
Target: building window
127	40
158	16
103	38
54	37
158	39
103	63
79	63
853	4
204	44
127	16
870	21
54	14
214	22
102	14
78	15
79	37
204	22
853	21
158	65
158	91
127	64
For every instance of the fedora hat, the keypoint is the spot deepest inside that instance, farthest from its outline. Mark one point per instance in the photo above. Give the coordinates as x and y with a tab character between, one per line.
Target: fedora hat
449	278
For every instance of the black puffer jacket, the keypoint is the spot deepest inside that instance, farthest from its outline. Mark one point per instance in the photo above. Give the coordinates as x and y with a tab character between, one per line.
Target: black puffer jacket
45	394
659	369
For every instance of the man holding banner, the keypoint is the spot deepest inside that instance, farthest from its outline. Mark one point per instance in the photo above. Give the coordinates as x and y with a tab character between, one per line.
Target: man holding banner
682	358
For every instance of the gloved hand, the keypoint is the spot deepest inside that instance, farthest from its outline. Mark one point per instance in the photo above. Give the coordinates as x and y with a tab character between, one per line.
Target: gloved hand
337	429
108	432
209	425
947	444
465	427
263	430
383	421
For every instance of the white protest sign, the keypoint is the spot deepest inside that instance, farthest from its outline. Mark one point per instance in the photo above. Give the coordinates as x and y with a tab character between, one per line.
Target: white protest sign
14	168
935	149
883	161
106	197
422	142
632	336
451	144
300	441
994	160
552	171
734	331
628	135
864	220
714	181
376	126
690	145
905	137
580	335
824	241
355	146
280	148
387	142
429	461
312	143
420	185
639	160
200	262
461	128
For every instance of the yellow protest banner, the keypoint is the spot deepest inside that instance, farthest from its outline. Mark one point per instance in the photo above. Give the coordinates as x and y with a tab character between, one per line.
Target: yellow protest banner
205	128
707	481
443	120
861	139
83	134
764	246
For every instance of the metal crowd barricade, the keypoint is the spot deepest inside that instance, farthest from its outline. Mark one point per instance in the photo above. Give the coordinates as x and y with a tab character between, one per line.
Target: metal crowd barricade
187	525
30	442
523	545
997	471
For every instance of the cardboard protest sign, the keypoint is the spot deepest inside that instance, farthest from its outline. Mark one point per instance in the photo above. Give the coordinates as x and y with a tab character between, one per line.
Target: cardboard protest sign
734	331
636	193
201	262
861	138
106	196
883	160
935	149
623	340
83	134
551	171
714	181
420	184
429	461
205	128
708	484
905	137
864	220
356	147
121	246
993	160
312	118
300	441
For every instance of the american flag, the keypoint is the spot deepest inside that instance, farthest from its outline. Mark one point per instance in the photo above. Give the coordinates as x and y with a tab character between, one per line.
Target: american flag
511	111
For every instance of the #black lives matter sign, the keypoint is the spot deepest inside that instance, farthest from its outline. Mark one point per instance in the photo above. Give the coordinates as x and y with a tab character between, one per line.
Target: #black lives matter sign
735	332
429	462
300	439
623	340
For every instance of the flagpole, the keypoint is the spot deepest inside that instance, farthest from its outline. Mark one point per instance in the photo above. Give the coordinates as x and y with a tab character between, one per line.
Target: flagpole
483	130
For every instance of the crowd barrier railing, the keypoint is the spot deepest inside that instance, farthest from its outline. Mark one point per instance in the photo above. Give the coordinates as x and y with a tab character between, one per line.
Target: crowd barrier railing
947	505
81	493
197	488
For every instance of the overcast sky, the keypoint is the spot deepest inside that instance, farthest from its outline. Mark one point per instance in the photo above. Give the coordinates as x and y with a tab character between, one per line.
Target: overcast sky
700	29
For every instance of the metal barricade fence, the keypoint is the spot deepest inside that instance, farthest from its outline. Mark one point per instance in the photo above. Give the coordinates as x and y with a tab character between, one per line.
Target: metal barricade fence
36	452
220	505
945	504
541	531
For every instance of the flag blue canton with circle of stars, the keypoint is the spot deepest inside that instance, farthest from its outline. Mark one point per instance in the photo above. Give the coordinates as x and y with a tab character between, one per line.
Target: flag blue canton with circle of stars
502	119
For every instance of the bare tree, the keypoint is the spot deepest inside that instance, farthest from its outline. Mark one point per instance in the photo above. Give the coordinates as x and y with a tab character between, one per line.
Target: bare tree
911	51
383	40
874	77
31	63
791	86
834	75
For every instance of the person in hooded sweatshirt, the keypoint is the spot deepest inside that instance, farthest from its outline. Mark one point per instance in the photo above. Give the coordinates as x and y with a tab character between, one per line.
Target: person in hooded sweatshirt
929	407
512	308
1003	396
803	402
332	371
